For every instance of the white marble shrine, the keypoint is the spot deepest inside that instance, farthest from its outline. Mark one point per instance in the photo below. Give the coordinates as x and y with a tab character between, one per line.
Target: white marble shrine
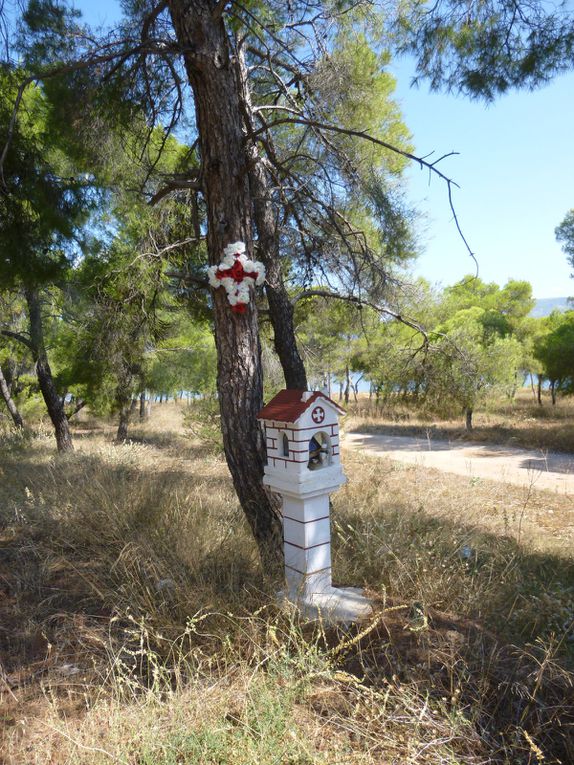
303	466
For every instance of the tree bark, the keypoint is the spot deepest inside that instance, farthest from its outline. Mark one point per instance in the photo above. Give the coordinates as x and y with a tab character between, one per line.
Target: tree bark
123	424
142	406
78	406
215	80
553	391
468	418
539	390
53	402
265	219
9	401
124	402
347	384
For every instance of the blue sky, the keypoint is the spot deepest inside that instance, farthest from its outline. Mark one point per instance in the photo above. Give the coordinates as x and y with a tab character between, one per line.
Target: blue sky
515	168
516	173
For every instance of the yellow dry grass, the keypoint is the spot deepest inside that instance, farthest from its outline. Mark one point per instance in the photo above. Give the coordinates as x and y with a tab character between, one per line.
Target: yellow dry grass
136	626
521	422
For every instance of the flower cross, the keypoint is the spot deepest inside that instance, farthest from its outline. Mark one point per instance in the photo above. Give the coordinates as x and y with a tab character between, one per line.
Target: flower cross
232	274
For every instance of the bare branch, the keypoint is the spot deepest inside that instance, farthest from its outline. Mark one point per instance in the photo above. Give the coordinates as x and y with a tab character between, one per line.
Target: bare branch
17	336
179	183
80	404
110	54
421	161
217	12
187	277
151	18
360	302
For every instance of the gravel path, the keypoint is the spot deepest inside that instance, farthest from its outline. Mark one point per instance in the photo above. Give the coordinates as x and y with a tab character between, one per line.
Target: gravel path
549	471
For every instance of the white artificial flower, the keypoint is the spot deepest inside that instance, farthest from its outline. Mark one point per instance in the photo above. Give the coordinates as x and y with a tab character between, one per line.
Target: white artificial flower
236	247
211	276
249	265
228	260
228	283
232	298
261	275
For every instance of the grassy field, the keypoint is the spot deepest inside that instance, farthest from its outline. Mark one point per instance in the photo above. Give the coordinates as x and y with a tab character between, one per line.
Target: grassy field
136	626
522	422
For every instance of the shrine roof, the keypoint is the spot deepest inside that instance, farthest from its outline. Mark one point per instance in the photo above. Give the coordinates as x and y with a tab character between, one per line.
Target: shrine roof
288	405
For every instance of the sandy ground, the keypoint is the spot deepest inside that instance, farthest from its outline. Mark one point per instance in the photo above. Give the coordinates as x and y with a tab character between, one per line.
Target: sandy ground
547	471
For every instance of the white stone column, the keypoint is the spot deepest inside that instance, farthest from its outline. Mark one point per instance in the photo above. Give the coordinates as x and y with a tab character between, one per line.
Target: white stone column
307	545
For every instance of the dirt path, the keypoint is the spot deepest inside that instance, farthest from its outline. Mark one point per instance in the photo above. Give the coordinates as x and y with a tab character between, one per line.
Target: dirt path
549	471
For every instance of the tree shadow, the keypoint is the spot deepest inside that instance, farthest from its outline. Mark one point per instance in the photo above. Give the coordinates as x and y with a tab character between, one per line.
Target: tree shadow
548	465
502	659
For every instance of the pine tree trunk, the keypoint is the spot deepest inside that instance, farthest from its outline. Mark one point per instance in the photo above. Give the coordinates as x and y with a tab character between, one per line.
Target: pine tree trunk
539	390
532	385
281	314
468	419
9	401
53	402
123	424
280	306
124	403
553	391
347	384
215	79
142	406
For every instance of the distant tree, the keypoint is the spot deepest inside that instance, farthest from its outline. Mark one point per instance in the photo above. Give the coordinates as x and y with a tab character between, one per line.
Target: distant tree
555	351
565	235
6	393
43	205
392	359
503	309
14	356
327	331
530	334
465	368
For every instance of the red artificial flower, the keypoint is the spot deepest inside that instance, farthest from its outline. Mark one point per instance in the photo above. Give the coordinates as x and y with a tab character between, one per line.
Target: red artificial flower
236	271
239	308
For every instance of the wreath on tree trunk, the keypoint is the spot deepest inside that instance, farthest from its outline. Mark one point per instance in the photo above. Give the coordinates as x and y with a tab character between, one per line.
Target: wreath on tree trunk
235	273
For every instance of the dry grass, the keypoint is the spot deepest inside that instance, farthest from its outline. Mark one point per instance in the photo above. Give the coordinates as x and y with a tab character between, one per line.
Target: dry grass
520	423
136	627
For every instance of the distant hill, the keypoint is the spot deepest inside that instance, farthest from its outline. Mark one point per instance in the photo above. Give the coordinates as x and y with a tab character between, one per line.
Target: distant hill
545	306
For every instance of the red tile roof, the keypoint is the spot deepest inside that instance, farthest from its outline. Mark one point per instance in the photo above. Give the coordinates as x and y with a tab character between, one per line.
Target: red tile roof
287	405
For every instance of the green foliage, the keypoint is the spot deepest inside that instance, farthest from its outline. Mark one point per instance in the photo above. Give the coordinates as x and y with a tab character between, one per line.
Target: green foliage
464	369
353	87
327	332
479	340
185	360
44	202
485	48
565	235
554	349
